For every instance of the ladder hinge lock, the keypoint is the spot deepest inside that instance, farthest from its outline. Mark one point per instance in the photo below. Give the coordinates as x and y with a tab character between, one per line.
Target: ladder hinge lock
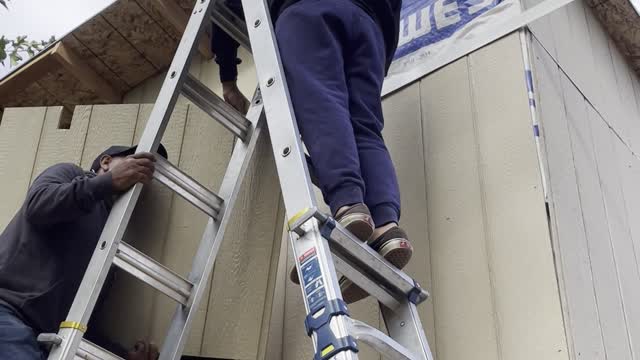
417	295
327	228
319	321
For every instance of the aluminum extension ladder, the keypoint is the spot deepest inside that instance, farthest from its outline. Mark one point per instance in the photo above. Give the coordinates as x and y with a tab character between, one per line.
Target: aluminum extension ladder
313	235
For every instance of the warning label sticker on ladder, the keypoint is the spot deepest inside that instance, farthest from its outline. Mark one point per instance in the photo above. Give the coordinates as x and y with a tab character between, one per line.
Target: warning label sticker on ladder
314	289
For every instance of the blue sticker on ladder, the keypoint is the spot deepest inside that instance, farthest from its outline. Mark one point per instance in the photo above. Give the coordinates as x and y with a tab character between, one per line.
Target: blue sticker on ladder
314	289
536	130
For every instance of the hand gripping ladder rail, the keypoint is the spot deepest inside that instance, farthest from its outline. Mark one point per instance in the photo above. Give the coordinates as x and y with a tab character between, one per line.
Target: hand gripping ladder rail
313	235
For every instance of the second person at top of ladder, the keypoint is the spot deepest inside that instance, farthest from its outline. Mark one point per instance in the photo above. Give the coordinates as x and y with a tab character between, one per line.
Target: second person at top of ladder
335	55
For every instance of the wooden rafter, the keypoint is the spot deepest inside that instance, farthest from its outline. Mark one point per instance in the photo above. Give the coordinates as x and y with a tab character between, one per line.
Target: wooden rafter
74	64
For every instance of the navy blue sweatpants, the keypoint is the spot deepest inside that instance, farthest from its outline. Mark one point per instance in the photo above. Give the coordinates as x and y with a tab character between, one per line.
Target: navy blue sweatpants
333	55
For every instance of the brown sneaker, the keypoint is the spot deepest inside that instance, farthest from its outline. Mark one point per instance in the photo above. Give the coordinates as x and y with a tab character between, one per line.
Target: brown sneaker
394	246
357	219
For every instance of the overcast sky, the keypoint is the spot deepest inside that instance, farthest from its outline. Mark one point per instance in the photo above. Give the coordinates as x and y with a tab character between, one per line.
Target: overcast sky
39	19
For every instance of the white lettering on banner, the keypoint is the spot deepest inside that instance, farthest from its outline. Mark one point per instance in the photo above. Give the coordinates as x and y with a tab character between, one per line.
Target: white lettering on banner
435	19
477	5
414	28
446	14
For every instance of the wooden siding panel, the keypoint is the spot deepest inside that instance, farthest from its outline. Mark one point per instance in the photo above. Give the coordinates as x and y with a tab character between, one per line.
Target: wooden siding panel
109	125
20	131
240	283
629	122
623	249
589	341
465	326
521	259
404	139
61	145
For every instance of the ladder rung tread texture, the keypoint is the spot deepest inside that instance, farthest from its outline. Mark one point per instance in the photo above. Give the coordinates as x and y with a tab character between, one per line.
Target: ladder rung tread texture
185	186
210	103
369	263
153	273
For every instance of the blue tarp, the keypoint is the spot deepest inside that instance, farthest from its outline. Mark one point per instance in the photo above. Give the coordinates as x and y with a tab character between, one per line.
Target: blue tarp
426	22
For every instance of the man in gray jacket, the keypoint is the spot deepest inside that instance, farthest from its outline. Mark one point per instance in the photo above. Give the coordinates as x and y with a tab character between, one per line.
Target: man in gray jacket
45	249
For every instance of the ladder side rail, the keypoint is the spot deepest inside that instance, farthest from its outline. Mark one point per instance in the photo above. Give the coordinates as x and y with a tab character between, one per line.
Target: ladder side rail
327	317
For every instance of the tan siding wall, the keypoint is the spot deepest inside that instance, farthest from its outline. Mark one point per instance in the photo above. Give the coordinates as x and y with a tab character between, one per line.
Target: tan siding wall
576	40
472	203
19	137
593	181
588	105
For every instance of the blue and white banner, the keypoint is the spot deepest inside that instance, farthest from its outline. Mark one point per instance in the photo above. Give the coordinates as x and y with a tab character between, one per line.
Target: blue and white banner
429	27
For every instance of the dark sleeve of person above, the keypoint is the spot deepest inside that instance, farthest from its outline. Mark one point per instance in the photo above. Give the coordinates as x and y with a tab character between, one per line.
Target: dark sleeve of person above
225	48
45	249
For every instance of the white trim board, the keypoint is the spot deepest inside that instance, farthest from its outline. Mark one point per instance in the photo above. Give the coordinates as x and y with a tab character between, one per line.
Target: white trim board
491	34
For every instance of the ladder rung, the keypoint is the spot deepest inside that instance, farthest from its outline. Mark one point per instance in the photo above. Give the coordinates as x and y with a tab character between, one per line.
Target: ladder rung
187	187
370	263
361	279
90	351
361	264
234	26
215	107
153	273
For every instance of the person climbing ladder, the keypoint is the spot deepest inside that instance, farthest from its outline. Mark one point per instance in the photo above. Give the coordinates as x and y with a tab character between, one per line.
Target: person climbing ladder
335	54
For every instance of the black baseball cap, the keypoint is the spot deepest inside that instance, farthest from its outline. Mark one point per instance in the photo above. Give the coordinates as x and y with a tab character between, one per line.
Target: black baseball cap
118	150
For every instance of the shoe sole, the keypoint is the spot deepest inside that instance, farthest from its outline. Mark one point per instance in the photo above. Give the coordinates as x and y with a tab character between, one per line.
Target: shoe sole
398	252
360	225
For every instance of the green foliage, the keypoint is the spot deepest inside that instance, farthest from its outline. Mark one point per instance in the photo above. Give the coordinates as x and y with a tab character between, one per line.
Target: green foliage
19	48
16	49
